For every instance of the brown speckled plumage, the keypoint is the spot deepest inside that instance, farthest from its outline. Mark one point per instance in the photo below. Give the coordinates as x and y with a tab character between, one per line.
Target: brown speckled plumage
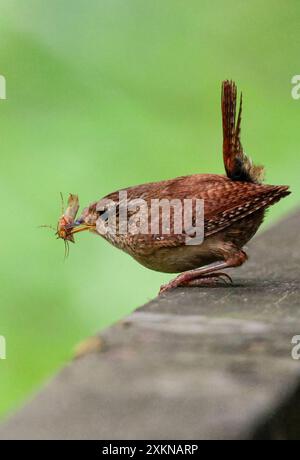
234	208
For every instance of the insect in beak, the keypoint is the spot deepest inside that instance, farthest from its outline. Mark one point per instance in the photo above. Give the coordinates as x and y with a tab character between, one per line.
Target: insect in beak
67	226
66	221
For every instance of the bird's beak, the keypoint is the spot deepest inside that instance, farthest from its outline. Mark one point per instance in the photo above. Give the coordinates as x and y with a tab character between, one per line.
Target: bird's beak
80	228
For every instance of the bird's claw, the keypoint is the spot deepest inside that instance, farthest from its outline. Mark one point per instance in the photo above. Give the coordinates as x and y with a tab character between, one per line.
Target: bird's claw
210	279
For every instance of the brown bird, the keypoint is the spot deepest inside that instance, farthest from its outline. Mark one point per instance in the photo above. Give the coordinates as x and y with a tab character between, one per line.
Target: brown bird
234	208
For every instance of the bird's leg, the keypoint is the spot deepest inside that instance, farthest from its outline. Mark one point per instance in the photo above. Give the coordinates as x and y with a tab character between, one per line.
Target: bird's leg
206	275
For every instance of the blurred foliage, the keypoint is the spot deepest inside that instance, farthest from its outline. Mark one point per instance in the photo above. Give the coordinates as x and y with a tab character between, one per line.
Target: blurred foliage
106	94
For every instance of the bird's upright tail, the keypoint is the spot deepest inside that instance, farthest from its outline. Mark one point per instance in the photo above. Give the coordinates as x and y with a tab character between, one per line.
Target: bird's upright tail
237	165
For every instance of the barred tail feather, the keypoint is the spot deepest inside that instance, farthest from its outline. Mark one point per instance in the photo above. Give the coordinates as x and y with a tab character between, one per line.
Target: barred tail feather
237	165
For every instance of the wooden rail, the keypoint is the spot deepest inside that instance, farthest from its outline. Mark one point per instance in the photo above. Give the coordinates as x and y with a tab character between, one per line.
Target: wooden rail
195	363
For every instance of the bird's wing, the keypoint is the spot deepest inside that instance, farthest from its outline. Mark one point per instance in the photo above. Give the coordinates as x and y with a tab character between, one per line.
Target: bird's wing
225	201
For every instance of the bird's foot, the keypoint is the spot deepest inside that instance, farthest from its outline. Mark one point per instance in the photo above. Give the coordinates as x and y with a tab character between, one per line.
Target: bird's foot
208	280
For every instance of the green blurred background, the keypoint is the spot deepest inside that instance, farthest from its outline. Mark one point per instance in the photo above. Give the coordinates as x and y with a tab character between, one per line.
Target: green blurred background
106	94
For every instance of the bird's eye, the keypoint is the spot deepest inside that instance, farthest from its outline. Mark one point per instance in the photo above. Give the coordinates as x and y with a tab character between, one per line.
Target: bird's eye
104	214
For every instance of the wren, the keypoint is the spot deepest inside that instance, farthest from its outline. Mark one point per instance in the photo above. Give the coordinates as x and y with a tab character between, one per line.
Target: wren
234	208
